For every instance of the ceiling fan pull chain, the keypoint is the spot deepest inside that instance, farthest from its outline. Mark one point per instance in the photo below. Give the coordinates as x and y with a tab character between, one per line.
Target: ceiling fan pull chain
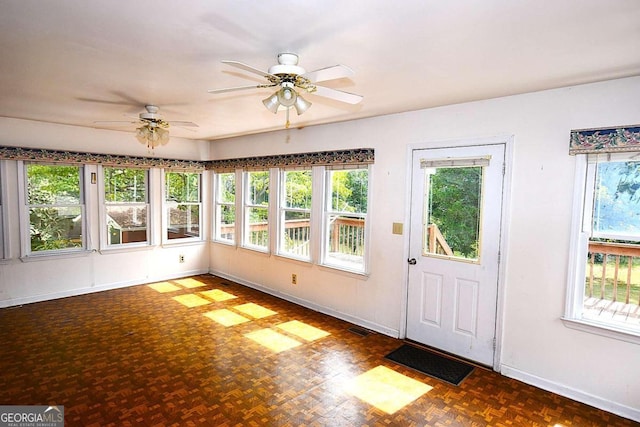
286	126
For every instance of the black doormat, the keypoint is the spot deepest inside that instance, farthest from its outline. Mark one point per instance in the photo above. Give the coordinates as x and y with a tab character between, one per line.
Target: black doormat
432	364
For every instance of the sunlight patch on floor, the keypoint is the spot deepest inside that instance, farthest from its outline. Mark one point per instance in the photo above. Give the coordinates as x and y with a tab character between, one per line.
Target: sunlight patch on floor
218	295
273	340
191	300
386	389
254	310
226	317
164	287
190	283
302	330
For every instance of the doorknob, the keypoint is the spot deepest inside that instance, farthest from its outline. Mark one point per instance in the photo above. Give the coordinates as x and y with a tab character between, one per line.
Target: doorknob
412	261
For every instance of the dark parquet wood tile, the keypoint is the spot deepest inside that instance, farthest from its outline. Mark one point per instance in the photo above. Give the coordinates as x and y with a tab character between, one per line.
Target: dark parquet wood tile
136	357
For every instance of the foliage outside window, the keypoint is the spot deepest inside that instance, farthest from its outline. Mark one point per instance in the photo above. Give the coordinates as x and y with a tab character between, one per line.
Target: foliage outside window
126	205
256	210
345	217
183	204
607	289
295	213
454	200
225	207
55	207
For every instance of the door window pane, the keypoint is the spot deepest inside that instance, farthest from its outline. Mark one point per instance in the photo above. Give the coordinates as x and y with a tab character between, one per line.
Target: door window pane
452	209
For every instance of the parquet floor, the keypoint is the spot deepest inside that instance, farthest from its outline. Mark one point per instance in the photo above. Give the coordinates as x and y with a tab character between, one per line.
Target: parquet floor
207	352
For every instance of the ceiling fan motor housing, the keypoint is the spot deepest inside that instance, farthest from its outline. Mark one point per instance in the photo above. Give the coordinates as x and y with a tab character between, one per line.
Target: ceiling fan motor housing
287	64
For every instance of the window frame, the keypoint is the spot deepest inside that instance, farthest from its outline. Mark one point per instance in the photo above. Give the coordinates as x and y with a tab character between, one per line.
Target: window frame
4	238
218	204
283	209
325	259
165	206
246	211
584	188
105	245
25	222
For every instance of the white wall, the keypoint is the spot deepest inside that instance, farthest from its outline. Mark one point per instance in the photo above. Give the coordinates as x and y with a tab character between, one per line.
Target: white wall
54	277
536	346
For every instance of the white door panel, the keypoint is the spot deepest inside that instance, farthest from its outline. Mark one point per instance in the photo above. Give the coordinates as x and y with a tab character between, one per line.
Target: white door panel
453	284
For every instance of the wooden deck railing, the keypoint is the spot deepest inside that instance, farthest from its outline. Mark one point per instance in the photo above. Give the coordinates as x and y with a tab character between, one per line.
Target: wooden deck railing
612	277
346	235
436	243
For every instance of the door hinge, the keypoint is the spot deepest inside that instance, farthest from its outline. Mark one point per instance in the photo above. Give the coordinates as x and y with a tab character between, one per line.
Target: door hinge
504	169
494	344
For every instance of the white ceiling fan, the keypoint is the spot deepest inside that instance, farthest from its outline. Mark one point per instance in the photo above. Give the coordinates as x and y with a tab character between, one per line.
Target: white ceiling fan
154	129
288	75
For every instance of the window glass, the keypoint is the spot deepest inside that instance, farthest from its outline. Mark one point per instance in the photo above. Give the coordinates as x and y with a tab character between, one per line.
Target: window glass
226	207
295	213
345	218
126	205
184	204
609	282
256	219
55	207
453	200
2	243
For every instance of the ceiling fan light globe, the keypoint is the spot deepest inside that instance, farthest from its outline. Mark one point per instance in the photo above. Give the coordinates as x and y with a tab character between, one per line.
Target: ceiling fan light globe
287	97
301	105
272	103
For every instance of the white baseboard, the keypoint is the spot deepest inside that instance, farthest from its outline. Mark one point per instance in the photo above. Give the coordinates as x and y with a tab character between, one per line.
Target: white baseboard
104	287
394	333
571	393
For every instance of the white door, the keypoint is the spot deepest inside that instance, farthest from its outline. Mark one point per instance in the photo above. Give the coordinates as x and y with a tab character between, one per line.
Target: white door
456	205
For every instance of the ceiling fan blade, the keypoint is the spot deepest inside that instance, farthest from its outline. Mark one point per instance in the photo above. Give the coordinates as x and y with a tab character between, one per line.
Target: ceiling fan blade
329	73
249	68
116	123
182	123
338	95
233	89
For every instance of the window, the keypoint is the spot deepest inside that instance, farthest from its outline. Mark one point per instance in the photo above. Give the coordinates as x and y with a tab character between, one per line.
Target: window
225	207
604	286
295	213
3	244
345	217
183	205
126	205
55	208
256	210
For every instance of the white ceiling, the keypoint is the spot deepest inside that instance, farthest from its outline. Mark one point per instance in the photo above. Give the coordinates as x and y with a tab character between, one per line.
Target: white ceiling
81	61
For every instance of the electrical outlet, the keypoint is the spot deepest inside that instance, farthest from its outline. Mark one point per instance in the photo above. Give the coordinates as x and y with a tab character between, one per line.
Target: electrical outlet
180	258
294	279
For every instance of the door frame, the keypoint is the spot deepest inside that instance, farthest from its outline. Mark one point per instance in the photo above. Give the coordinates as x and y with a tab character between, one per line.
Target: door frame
508	142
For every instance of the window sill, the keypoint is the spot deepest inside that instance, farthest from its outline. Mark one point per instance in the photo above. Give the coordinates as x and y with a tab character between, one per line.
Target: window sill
603	329
52	255
124	248
350	273
183	242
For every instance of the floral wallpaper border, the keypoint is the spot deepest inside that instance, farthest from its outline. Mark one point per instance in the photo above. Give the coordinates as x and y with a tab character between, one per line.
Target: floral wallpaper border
324	158
57	156
605	140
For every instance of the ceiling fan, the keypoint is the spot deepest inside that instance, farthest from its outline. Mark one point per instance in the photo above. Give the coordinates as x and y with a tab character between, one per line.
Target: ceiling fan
288	75
154	129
